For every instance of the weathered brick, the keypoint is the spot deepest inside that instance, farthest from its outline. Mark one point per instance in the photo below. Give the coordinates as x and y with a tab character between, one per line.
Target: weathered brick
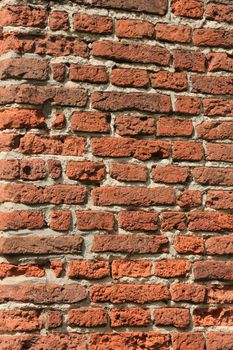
218	61
188	292
21	119
135	293
129	317
213	37
88	269
129	125
20	320
58	20
173	33
219	294
137	196
210	221
213	130
219	199
137	243
88	73
192	9
220	245
141	53
172	220
53	319
129	147
23	15
32	169
41	245
187	150
189	199
30	270
85	171
219	340
170	174
86	121
9	169
87	317
220	152
170	81
212	85
188	341
95	220
172	316
213	176
189	60
60	220
24	68
138	220
219	12
128	172
207	317
213	270
174	127
188	105
131	268
92	23
21	219
135	29
218	107
130	77
189	244
171	268
119	101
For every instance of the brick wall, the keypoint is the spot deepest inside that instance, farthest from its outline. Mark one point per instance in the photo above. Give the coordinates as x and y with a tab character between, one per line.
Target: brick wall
116	173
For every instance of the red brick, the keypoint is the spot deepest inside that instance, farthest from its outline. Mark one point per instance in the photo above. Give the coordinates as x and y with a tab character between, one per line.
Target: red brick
171	268
24	68
188	105
30	270
33	341
187	150
188	341
37	95
21	219
213	176
210	221
213	270
60	220
135	29
219	199
141	53
132	316
129	147
9	169
218	61
149	6
58	20
131	268
31	194
212	130
119	101
32	169
21	119
129	77
86	121
187	292
138	220
220	152
176	81
137	196
58	71
219	12
57	267
42	293
189	199
56	145
54	168
129	125
128	172
95	220
216	339
53	319
192	9
212	85
23	15
173	33
92	23
85	171
87	317
20	320
130	340
173	127
220	245
57	45
40	245
134	293
172	316
213	37
137	243
170	174
219	294
88	73
88	269
189	60
173	220
207	317
189	244
216	107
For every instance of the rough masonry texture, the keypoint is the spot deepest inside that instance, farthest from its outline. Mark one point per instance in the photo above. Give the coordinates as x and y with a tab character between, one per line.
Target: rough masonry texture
116	177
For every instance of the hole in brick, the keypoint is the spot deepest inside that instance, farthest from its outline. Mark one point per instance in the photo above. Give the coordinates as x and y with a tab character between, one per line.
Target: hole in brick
27	170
